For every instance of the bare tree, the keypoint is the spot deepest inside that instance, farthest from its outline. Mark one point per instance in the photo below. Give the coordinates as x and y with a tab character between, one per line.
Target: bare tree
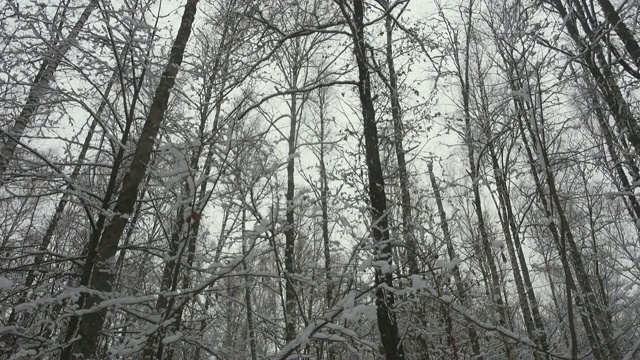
387	324
40	83
103	251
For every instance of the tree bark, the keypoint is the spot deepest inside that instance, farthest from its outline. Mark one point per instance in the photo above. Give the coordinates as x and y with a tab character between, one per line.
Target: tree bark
387	325
595	61
62	204
289	231
247	290
612	144
517	262
473	163
40	84
446	234
629	41
398	136
541	172
101	279
324	199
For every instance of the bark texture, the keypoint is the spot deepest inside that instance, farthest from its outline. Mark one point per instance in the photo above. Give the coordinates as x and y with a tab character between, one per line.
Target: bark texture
387	325
102	277
38	89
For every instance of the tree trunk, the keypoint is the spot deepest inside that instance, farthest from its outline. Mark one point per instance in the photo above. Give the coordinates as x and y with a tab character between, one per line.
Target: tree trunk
185	232
494	279
40	84
446	234
558	233
594	59
247	290
398	136
324	208
507	221
62	204
387	325
622	30
90	250
289	231
101	280
631	201
473	163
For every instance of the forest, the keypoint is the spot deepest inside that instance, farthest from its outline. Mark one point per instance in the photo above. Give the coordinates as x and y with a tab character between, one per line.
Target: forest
319	179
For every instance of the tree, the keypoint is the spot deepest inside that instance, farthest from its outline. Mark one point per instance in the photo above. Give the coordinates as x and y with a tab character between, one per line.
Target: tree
103	249
379	223
223	191
41	81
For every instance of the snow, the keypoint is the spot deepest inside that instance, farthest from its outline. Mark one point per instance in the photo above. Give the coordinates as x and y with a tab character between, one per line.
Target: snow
446	298
418	283
344	222
342	329
294	156
384	266
522	93
365	264
453	263
128	300
130	346
448	265
24	354
173	338
609	195
332	337
5	283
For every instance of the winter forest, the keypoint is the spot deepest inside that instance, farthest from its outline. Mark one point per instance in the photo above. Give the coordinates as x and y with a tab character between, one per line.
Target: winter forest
320	179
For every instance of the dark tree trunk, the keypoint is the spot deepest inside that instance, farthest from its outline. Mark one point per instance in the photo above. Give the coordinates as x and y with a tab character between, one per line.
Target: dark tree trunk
324	201
387	325
398	136
62	204
485	244
622	30
289	231
41	82
101	280
446	234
